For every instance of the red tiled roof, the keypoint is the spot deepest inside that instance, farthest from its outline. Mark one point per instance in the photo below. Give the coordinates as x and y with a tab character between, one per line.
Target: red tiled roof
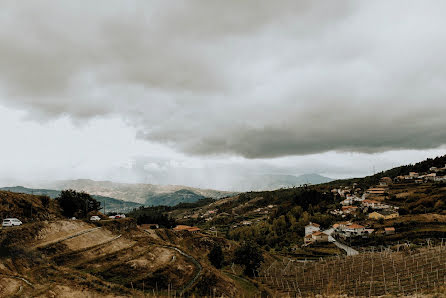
186	228
319	233
355	226
370	201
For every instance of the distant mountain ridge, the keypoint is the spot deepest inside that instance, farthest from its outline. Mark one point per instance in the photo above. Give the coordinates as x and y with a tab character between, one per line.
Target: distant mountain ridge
147	194
272	181
111	204
172	199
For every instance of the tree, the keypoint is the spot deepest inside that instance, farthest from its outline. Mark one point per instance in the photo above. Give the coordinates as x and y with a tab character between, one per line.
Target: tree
75	203
250	256
45	201
216	256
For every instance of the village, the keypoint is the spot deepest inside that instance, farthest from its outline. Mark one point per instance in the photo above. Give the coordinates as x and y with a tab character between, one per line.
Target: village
369	205
363	213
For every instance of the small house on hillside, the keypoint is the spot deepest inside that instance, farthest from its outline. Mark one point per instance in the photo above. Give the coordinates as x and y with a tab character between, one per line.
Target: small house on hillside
320	237
370	203
316	237
349	209
354	229
376	192
190	229
389	230
385	181
341	225
384	214
311	228
347	201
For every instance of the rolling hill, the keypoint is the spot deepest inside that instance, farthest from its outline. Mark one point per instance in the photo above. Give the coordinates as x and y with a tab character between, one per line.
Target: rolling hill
172	199
111	204
147	194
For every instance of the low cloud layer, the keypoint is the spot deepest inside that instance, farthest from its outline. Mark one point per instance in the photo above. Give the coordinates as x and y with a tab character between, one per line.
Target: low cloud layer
256	79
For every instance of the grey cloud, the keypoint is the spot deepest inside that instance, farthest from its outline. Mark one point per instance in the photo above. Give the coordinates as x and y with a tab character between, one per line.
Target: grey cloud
258	79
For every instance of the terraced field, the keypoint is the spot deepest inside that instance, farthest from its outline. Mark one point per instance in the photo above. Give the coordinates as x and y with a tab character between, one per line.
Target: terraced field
73	256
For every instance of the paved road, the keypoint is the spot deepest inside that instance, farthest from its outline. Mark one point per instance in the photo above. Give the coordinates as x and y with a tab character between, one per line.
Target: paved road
350	251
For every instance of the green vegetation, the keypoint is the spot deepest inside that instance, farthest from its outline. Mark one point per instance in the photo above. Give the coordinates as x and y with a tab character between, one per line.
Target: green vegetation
153	215
111	204
250	256
78	204
216	256
286	225
368	181
172	199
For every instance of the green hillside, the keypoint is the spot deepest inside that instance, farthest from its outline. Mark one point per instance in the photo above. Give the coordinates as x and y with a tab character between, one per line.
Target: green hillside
419	167
175	198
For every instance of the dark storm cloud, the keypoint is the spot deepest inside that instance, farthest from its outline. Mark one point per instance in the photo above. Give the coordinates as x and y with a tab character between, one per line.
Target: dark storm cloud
252	78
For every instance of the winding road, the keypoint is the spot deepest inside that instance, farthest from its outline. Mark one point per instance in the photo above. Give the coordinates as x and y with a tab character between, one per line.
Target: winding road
350	251
192	259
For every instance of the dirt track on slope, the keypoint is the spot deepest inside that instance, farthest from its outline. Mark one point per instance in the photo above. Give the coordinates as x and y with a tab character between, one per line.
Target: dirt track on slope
54	232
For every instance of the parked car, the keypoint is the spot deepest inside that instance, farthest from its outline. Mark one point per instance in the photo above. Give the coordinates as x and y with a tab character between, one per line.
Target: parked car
95	218
112	217
10	222
117	216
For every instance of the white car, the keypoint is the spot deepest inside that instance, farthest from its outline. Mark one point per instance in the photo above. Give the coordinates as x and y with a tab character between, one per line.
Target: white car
10	222
95	218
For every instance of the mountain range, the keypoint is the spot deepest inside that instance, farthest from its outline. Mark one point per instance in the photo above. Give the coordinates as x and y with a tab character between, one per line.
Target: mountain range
124	196
146	194
111	204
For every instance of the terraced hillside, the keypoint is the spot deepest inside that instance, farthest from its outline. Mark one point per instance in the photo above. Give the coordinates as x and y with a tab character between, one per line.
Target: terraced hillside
66	258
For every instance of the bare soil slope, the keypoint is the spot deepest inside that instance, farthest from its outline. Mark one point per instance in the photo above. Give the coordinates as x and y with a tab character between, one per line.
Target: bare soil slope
67	258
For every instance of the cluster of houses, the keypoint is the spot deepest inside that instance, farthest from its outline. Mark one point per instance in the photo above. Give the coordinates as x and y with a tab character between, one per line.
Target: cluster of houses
369	202
433	175
345	230
264	210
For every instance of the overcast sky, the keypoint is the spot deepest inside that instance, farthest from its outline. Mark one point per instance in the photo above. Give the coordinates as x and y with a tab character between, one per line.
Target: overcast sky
192	92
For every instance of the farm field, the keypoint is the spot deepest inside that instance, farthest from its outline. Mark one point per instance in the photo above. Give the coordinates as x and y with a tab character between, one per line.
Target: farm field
366	274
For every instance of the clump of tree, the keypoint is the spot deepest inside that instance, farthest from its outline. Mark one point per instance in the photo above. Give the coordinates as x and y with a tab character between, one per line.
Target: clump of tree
216	256
155	218
153	215
286	225
250	256
78	204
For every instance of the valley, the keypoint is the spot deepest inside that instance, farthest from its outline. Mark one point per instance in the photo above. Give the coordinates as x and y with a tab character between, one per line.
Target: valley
325	239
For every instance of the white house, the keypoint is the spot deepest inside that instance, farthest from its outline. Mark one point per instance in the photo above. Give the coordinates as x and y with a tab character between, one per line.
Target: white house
370	203
354	229
347	201
311	228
